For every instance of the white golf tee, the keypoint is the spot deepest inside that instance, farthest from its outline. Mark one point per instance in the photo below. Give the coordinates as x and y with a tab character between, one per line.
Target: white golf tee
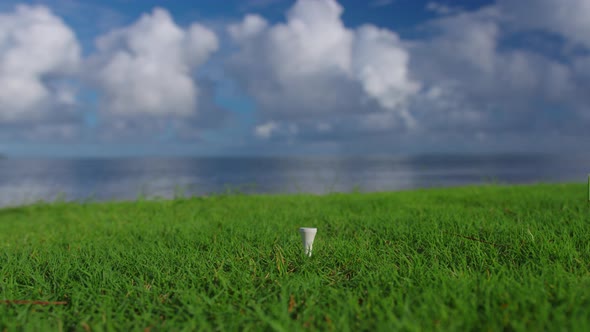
308	235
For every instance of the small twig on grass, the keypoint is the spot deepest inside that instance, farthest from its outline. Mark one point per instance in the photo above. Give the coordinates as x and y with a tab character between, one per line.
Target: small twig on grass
33	302
508	211
478	240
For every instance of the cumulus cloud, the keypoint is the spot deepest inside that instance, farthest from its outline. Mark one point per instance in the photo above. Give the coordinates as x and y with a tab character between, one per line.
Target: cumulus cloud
380	64
477	83
36	50
465	79
568	18
313	65
313	78
148	68
251	26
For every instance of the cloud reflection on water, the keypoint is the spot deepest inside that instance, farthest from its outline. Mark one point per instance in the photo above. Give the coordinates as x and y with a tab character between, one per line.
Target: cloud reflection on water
24	181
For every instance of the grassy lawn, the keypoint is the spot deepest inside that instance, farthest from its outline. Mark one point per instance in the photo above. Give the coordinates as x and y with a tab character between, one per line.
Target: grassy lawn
472	258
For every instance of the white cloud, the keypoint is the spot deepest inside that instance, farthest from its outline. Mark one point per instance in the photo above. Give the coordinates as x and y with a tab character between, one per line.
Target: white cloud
313	65
312	77
266	130
568	18
476	83
313	40
462	81
469	39
380	63
442	9
284	130
148	68
251	26
34	46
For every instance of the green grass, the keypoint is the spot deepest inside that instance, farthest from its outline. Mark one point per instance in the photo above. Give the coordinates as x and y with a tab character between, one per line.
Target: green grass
473	258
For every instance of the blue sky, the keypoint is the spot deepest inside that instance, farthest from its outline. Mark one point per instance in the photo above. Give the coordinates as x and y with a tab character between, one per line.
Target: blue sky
267	77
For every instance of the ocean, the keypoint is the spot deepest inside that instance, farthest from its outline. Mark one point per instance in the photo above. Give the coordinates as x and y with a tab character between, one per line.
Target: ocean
24	181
